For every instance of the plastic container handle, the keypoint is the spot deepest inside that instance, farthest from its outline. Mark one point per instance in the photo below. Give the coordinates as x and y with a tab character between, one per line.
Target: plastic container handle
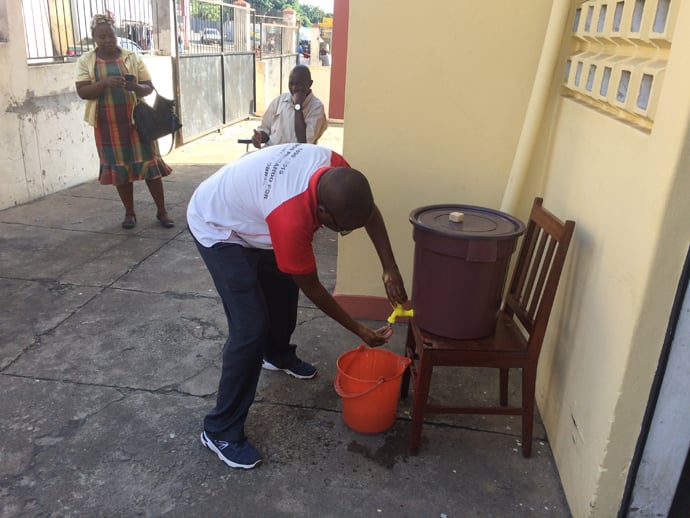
341	391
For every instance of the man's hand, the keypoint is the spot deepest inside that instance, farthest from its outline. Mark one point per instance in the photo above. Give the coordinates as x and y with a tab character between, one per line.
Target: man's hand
298	98
395	288
376	337
259	138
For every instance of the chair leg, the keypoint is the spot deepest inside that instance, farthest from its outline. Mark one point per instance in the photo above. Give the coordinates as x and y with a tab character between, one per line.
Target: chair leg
409	353
503	376
529	376
405	384
421	395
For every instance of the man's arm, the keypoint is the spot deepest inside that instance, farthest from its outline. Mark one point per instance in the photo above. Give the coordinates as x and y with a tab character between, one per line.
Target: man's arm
311	286
392	280
263	133
315	120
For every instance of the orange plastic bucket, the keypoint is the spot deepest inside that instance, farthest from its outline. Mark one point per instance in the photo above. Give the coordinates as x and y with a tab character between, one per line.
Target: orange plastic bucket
368	380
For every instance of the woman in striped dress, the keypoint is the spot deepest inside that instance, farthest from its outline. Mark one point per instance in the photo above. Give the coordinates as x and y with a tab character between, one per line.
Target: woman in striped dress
111	79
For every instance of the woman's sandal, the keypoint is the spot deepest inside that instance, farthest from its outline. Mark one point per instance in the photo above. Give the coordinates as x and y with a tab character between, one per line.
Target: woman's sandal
164	220
130	221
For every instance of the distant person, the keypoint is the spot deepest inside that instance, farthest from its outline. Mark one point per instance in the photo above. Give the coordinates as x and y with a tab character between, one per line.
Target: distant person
111	79
325	57
295	116
253	222
300	52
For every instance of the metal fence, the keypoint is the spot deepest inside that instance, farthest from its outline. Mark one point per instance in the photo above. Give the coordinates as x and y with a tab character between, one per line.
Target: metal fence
277	39
59	30
212	27
208	28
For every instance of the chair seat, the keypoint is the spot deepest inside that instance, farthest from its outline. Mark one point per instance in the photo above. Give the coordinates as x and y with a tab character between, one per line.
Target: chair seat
507	338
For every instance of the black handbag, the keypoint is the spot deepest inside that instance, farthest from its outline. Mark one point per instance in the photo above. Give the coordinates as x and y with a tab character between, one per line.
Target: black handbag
155	122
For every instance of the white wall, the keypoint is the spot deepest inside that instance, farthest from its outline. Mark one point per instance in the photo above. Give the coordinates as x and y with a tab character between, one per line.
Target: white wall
669	436
46	145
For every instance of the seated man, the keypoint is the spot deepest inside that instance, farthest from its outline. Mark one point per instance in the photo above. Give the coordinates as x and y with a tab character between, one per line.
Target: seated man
295	116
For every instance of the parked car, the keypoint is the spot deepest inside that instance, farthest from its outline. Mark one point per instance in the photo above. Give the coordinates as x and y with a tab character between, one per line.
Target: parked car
84	45
130	45
209	36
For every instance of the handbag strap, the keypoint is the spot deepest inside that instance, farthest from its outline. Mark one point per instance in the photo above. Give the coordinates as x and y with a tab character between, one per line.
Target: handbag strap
140	99
172	140
172	137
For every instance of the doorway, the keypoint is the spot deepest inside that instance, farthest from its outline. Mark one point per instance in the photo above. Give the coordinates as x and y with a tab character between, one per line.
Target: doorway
659	479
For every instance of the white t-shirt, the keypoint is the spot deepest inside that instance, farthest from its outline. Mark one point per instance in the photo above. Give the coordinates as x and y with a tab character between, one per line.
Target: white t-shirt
266	199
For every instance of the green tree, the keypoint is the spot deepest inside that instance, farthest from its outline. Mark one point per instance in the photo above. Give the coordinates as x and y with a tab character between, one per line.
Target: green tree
204	11
313	13
264	5
274	7
306	14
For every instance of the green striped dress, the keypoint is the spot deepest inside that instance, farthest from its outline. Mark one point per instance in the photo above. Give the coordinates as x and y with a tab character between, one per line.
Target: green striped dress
124	157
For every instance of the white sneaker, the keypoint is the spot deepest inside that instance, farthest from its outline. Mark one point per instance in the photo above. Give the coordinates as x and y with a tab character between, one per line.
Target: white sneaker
300	369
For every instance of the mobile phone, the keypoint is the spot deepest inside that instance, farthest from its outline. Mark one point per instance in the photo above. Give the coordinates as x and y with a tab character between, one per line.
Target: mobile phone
129	77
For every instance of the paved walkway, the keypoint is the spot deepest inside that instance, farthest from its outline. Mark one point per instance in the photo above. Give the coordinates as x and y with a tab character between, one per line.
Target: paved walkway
110	343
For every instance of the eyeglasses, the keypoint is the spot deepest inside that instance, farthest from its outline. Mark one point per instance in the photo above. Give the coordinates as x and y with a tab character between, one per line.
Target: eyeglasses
338	227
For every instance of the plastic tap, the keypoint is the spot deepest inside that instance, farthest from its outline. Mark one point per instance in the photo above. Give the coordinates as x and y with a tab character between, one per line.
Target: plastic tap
399	311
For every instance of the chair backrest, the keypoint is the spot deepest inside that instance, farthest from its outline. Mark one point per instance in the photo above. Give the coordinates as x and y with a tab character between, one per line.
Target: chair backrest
538	269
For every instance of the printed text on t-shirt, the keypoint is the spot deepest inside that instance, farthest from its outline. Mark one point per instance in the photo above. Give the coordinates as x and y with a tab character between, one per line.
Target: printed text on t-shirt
278	167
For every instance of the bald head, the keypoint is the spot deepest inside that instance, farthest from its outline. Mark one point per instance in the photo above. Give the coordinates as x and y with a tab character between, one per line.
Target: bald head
345	194
301	72
300	80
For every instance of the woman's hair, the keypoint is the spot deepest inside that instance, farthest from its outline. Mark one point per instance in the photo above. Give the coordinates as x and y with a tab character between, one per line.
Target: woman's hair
99	19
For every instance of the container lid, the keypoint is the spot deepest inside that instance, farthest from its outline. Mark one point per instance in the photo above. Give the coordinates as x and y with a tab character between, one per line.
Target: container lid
466	222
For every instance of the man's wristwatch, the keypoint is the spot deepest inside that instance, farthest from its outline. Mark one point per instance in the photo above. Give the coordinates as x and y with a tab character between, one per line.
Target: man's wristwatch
298	107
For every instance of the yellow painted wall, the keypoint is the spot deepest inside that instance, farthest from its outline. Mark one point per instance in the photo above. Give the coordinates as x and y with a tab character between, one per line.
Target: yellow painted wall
429	119
596	179
437	119
627	189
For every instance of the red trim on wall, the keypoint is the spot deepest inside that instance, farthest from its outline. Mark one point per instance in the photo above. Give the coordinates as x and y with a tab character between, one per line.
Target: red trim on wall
367	307
336	100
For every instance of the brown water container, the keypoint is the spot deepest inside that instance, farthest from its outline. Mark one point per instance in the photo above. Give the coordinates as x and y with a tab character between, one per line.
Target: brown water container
461	259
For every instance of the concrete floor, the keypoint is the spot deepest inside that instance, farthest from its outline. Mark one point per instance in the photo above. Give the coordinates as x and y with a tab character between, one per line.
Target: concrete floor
110	346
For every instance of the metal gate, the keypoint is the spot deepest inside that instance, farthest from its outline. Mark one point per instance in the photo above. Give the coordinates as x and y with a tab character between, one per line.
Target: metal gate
214	90
215	66
215	69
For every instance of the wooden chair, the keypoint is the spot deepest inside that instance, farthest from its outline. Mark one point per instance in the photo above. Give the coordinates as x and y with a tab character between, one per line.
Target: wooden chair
527	304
